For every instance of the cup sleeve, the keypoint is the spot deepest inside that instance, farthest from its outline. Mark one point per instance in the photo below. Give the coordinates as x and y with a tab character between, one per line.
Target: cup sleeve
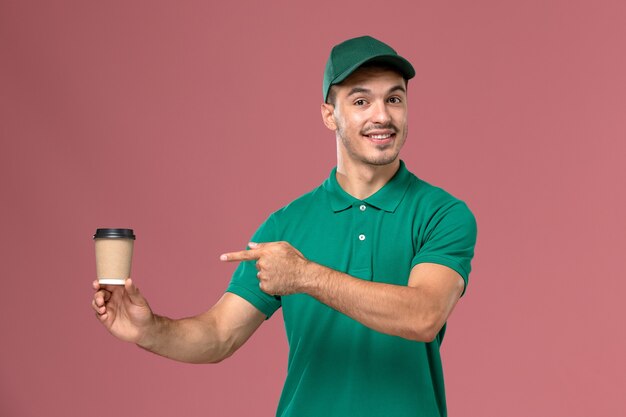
244	281
449	239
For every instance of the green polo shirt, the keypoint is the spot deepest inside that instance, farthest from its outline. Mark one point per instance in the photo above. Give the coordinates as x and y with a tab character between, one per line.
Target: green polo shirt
337	366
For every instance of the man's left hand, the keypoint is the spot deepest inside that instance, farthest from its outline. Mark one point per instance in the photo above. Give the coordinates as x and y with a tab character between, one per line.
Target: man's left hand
282	268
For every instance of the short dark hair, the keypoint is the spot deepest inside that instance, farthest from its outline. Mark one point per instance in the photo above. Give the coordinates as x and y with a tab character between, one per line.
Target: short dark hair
332	95
331	98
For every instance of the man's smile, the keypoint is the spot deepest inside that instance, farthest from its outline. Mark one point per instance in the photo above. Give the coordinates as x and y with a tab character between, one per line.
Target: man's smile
380	136
385	136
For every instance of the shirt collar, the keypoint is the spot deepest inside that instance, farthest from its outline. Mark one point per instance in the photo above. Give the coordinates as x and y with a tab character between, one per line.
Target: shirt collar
387	198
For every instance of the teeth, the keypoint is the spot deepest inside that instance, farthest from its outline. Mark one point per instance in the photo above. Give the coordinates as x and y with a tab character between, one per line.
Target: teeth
380	136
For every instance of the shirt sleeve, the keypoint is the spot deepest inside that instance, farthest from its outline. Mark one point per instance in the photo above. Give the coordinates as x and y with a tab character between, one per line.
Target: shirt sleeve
449	239
244	281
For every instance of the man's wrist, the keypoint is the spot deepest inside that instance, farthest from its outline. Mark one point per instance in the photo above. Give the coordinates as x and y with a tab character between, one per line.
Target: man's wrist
315	276
149	336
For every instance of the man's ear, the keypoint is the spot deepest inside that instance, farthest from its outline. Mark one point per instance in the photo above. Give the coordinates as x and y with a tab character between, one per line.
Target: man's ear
328	116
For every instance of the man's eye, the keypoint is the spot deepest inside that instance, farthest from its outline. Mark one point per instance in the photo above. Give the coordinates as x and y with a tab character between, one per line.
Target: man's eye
394	100
359	102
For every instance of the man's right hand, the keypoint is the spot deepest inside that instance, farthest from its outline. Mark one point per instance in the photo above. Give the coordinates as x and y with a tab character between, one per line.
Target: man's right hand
123	310
208	337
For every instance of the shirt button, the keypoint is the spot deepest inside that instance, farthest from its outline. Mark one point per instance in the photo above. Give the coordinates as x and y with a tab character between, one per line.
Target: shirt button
361	237
362	207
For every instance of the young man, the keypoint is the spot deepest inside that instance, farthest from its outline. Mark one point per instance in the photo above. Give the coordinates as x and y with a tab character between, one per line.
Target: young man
367	267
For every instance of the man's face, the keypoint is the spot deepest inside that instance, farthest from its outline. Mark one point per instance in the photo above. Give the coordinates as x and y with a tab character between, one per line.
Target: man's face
369	116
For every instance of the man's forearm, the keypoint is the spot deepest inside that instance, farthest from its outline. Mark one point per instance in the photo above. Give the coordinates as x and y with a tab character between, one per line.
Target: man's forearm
206	338
191	340
409	312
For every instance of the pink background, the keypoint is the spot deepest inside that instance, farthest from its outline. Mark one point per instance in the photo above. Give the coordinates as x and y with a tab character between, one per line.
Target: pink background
191	121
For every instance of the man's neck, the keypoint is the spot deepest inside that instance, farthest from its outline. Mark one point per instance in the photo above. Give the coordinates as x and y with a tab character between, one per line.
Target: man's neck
361	180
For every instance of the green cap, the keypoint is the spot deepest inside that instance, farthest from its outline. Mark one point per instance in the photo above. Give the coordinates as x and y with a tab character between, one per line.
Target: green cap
346	57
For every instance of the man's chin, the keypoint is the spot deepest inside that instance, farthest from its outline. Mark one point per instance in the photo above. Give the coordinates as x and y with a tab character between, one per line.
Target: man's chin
383	160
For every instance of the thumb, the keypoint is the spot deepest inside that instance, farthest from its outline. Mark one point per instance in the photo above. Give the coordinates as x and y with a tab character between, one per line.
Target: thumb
133	292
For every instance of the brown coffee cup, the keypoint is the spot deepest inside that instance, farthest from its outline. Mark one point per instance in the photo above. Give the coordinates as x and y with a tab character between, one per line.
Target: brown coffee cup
114	255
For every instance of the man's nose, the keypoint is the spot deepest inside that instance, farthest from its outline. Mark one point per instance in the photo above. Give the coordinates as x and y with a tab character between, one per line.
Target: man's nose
380	113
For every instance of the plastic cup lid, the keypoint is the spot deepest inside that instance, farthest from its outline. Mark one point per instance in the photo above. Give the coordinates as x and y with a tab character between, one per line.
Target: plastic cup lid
114	234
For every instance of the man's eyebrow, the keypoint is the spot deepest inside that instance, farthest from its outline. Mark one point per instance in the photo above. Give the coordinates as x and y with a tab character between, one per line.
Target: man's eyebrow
357	90
397	88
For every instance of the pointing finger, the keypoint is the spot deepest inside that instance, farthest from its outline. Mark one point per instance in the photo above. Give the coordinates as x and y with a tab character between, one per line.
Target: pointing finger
244	255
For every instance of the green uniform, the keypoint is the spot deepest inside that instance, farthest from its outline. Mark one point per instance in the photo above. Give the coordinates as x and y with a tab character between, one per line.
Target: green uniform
337	366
